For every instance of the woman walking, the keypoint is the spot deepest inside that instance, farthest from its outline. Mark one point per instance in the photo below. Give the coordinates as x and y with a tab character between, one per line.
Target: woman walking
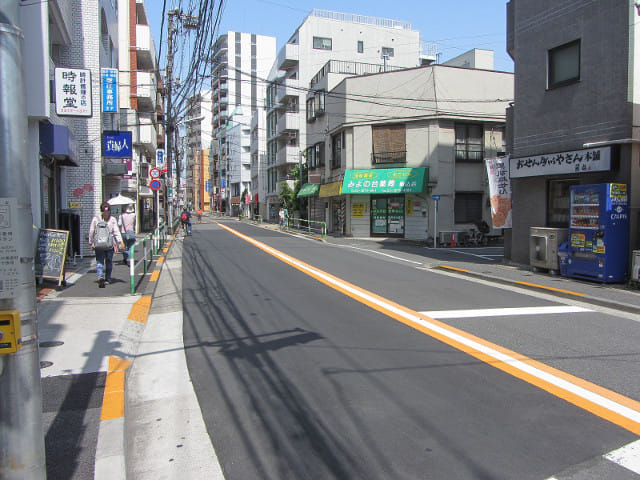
105	239
127	224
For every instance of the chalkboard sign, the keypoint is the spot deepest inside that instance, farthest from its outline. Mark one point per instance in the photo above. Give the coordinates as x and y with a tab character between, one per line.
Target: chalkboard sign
51	253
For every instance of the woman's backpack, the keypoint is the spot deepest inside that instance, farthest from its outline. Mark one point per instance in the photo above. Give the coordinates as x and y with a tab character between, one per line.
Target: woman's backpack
102	238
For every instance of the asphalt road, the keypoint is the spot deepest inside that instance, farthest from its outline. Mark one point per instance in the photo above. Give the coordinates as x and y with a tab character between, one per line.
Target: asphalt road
299	380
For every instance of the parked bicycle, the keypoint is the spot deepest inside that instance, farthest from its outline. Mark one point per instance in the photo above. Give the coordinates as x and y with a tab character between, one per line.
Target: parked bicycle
477	235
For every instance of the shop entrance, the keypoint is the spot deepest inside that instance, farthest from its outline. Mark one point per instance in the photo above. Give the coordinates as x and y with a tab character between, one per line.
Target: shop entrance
387	216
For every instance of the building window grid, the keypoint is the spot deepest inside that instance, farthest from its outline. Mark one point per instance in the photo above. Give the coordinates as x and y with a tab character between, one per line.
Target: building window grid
469	142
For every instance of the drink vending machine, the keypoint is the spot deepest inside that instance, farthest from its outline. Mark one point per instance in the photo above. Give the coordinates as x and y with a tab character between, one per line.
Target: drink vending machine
599	232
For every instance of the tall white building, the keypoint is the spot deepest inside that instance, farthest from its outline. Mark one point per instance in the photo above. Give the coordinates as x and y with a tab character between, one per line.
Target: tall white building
324	36
241	64
198	142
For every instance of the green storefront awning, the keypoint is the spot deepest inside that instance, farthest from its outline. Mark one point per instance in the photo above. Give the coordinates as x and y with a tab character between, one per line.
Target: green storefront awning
386	180
308	190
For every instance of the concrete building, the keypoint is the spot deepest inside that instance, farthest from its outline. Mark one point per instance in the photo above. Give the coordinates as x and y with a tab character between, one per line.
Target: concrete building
139	102
66	45
198	141
382	144
321	37
575	116
241	63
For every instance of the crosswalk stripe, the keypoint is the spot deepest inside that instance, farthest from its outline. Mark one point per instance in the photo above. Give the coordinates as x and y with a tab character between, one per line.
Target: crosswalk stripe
503	312
627	456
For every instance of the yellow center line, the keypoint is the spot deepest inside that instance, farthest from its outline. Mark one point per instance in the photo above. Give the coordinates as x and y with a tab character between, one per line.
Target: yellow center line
607	404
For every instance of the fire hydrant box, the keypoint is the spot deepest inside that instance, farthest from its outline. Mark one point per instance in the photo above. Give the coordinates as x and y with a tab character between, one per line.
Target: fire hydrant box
10	338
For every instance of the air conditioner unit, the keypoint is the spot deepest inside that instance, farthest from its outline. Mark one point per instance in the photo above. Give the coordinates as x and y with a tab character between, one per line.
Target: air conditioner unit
635	266
543	247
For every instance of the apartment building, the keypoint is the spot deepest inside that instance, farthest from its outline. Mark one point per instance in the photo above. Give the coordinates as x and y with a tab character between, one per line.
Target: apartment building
575	116
67	43
321	37
198	142
382	145
240	64
139	102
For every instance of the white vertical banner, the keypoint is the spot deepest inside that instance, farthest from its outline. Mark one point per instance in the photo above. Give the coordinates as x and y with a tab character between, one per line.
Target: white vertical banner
499	191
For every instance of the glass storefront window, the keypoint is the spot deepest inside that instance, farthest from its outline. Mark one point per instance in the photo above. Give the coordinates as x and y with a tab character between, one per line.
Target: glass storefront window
387	216
558	202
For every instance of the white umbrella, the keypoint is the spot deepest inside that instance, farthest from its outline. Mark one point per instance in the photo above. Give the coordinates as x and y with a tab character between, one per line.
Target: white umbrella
120	200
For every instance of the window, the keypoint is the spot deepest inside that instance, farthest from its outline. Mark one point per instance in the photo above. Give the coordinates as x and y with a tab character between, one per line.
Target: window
321	43
360	46
311	109
469	144
564	64
387	52
311	157
468	207
389	144
558	200
319	104
336	150
319	147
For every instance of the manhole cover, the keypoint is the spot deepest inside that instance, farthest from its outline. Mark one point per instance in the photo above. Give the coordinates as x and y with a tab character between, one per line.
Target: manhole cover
45	364
51	344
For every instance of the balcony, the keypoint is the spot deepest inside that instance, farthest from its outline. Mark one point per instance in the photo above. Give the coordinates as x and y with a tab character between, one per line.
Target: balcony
146	92
288	155
288	122
148	136
389	157
288	56
145	49
287	90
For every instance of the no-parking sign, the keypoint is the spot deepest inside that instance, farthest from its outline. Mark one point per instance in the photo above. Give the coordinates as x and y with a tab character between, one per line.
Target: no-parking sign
155	185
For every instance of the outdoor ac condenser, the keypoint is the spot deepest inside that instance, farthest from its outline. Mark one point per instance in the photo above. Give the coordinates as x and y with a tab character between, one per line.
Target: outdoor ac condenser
543	247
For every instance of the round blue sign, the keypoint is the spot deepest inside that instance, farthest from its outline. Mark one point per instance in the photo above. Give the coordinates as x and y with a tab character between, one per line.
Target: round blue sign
155	185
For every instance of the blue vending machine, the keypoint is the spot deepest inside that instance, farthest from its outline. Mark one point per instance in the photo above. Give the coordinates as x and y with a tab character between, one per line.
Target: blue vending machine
599	232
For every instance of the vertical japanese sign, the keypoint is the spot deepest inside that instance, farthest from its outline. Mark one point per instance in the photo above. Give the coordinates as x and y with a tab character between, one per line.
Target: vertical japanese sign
73	92
499	191
160	159
109	90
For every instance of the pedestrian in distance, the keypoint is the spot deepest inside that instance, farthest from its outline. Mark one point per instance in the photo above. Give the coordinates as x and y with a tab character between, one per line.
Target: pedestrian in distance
185	218
127	223
199	215
282	217
105	239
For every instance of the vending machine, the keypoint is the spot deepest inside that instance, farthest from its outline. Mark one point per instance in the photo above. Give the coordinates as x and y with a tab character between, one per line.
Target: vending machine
599	232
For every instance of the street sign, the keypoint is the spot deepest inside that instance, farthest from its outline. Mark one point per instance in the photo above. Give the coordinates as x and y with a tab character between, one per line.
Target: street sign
435	197
160	159
155	173
155	185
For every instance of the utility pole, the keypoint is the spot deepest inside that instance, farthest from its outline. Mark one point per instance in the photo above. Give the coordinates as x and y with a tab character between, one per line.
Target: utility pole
22	454
187	22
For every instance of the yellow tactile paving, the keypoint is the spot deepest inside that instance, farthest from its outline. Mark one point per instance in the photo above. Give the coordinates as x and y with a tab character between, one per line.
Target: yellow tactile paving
154	276
140	309
160	260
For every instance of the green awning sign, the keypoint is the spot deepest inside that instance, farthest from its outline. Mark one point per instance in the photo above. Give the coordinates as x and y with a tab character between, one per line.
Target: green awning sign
385	180
308	190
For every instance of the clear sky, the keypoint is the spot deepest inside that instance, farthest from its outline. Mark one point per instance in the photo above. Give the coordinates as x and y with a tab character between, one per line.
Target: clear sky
455	25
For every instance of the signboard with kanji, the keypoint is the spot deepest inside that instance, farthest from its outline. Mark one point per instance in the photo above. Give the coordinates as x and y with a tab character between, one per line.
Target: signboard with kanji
109	90
73	92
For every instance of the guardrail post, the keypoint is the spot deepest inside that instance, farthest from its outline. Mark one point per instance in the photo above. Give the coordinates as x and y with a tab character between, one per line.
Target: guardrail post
144	258
132	268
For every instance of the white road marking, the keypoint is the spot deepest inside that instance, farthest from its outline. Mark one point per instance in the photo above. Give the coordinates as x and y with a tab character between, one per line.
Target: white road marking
627	456
502	312
380	253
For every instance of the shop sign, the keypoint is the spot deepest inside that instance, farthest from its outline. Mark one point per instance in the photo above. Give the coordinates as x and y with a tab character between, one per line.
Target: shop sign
73	92
576	161
499	191
74	205
117	144
357	210
387	180
109	90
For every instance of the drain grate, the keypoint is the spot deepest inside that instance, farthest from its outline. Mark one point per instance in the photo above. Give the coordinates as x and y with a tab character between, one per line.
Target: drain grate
51	344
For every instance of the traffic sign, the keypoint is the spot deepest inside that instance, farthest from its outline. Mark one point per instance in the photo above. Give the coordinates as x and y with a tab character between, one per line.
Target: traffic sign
435	197
155	185
155	173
